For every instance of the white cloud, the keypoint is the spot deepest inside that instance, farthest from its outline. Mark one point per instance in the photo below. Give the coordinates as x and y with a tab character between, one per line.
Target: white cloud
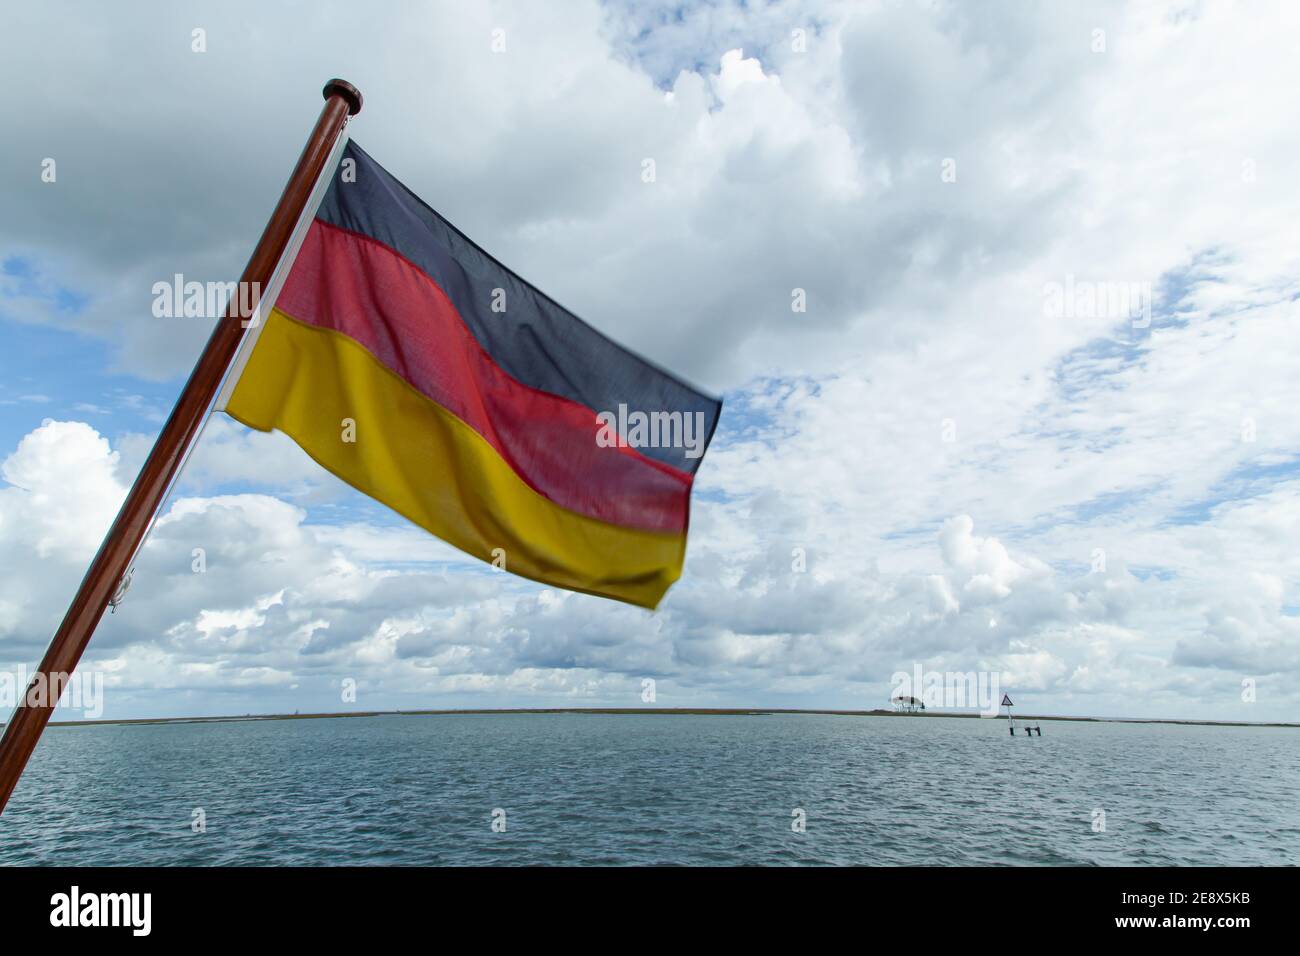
62	490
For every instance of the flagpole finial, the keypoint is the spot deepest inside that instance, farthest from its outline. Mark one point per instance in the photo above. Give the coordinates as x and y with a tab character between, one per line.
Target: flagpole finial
350	94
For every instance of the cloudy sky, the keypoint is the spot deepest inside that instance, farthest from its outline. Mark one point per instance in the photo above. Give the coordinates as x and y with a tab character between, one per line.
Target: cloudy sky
1041	416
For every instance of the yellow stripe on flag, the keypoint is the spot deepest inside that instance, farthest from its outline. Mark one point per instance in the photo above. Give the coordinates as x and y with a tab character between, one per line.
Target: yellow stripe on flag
422	461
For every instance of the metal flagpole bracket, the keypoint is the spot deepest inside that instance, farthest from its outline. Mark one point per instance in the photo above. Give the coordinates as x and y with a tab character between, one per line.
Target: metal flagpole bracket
120	594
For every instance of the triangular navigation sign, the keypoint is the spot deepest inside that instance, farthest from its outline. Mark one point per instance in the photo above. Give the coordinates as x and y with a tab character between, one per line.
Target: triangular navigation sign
1006	700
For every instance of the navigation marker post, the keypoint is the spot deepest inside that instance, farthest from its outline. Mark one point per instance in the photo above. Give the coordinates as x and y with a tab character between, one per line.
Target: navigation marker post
1011	721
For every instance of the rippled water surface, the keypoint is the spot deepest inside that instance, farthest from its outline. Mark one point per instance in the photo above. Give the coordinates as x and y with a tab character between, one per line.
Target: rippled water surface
606	789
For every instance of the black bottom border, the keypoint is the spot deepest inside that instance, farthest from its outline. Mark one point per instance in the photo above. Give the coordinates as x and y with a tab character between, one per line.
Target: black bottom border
914	907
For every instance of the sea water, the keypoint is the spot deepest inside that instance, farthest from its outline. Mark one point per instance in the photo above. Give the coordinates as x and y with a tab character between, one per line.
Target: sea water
670	789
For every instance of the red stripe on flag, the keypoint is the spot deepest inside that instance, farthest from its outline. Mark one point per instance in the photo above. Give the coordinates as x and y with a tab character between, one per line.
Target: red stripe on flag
357	286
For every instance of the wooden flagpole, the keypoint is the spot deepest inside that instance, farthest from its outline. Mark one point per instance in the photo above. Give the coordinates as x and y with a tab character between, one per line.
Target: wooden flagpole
112	562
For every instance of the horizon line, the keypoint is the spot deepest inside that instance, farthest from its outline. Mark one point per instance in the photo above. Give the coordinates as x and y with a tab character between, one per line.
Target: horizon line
661	711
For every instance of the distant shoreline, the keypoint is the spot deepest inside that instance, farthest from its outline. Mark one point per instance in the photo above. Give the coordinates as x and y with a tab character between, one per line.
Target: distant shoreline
659	712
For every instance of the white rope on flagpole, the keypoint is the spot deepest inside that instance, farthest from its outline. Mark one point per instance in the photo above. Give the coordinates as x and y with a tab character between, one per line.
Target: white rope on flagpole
278	277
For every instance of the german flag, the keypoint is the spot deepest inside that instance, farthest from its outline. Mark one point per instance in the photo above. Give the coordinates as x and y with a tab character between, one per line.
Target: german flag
414	366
